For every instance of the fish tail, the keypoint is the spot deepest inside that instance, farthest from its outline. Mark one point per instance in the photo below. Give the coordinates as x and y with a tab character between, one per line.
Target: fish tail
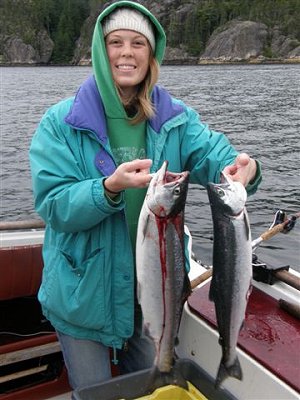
158	379
224	372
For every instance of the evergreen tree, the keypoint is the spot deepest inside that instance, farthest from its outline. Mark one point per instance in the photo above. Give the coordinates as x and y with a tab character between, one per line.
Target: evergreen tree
72	16
63	20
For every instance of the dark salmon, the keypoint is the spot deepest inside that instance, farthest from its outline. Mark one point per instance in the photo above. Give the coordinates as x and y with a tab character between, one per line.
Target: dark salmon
232	269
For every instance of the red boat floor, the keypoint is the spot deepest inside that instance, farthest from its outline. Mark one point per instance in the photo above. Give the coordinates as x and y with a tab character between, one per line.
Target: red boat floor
270	335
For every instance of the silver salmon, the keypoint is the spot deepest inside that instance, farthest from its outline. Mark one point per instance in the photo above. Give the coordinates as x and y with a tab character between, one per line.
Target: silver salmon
232	269
162	280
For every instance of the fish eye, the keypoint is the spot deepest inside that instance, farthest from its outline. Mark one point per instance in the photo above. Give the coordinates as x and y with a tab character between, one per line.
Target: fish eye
177	190
220	192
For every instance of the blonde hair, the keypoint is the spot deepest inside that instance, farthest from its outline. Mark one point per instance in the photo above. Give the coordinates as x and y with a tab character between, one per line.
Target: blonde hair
141	100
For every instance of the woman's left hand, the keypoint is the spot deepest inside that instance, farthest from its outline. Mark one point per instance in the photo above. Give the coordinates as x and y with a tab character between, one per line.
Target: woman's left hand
243	170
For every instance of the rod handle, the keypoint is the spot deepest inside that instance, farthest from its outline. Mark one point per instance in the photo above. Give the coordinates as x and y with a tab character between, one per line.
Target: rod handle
287	277
201	278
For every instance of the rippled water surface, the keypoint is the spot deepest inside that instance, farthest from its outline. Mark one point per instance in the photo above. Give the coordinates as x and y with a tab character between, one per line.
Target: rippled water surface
256	106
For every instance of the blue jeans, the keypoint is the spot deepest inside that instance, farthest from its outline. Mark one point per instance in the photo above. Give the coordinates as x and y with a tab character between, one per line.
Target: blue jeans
88	362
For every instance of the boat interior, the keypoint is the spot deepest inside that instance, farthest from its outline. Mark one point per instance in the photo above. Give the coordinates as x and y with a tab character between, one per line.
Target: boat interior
31	364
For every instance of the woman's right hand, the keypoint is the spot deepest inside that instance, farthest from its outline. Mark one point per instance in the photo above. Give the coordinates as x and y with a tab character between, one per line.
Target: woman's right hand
132	174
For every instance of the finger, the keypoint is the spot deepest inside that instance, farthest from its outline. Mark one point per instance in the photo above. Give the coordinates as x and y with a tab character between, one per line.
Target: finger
242	160
230	169
139	165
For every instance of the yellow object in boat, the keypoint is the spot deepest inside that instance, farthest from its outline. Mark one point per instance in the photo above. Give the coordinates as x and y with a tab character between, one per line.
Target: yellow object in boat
171	392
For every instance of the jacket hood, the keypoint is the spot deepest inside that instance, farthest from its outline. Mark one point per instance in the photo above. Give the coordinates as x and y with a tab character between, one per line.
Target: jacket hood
100	63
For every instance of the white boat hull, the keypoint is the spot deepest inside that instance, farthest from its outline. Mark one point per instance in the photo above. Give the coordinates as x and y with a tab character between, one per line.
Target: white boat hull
199	343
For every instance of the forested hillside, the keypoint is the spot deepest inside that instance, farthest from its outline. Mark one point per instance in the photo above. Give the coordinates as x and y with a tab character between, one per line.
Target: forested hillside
59	31
61	19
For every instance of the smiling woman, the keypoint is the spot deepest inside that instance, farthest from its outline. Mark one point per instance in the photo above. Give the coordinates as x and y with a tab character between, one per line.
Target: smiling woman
103	146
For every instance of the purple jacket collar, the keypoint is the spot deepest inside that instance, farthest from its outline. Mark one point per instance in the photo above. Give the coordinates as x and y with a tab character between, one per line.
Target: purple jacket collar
87	111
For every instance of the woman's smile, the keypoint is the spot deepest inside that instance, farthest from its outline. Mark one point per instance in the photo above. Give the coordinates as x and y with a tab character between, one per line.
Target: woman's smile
126	67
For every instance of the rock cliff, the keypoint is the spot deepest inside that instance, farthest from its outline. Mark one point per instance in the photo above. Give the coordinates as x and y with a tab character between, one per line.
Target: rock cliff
248	41
234	41
15	51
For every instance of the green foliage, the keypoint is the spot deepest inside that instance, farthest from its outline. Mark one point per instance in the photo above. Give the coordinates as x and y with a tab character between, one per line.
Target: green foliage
14	17
47	12
63	20
71	18
208	15
96	4
268	53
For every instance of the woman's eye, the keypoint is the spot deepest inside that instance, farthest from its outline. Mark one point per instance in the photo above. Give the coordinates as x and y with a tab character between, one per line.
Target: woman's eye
139	43
113	42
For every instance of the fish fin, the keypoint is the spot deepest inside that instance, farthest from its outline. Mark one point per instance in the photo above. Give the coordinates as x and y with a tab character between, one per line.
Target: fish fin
249	291
158	379
187	289
145	330
247	226
211	294
235	371
145	227
138	292
242	325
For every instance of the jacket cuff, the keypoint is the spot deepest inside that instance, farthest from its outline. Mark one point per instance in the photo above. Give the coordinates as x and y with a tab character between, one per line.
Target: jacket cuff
253	185
103	201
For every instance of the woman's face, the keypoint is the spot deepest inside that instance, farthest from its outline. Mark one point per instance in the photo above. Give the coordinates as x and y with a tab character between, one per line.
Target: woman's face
128	54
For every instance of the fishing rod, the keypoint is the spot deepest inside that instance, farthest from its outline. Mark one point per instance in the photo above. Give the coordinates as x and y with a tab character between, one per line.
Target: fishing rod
19	225
260	270
280	224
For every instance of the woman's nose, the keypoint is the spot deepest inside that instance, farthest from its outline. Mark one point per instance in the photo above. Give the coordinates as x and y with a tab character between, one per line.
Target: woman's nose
127	50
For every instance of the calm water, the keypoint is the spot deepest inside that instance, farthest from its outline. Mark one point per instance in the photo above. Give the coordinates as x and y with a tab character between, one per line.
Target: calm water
256	106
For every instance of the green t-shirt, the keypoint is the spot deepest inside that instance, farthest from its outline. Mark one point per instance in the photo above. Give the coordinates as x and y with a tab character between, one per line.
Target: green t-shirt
128	142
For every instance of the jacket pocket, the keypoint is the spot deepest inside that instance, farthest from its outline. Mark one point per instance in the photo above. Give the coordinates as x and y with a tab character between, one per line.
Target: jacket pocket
76	293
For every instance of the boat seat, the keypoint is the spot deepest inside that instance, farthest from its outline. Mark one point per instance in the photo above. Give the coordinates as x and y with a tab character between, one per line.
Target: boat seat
20	270
30	354
27	343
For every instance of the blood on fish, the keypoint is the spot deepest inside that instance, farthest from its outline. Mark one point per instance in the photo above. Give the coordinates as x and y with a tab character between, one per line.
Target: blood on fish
161	227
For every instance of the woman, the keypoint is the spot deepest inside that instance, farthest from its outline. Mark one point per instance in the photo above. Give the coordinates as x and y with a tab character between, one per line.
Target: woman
91	158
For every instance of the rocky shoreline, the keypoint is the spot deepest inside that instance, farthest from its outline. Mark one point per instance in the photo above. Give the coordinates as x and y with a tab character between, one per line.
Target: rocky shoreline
183	62
237	42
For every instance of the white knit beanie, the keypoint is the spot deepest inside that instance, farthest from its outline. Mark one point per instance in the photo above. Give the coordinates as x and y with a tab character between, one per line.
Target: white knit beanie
128	18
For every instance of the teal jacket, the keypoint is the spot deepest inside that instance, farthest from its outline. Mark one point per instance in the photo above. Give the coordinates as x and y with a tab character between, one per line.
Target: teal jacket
87	289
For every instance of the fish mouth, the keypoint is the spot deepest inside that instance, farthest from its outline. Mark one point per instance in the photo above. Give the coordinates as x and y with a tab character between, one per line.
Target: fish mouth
166	177
171	177
161	173
225	183
225	179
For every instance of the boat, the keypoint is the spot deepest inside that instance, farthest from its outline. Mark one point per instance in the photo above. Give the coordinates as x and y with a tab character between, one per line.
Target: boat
31	362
